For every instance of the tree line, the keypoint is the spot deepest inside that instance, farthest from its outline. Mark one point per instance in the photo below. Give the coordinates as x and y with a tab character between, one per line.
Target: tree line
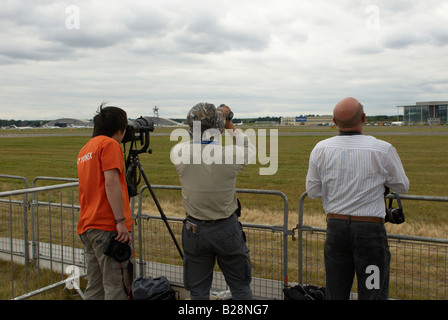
39	123
22	123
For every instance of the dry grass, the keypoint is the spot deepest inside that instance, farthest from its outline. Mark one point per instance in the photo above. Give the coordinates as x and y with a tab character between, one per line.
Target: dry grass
35	279
432	226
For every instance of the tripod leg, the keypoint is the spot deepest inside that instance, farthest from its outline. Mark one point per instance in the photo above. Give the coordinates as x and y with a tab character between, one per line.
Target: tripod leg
159	208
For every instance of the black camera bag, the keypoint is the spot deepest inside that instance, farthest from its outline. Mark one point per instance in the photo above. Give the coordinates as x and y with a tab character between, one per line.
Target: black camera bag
308	292
158	288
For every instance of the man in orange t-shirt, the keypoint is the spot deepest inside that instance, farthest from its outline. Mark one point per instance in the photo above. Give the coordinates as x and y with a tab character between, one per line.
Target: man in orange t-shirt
104	202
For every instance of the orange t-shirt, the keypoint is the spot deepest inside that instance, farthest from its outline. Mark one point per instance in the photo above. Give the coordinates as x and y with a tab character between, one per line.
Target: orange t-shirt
100	154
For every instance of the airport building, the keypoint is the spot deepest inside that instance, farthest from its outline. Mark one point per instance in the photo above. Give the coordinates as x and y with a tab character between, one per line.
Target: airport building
325	120
429	112
69	122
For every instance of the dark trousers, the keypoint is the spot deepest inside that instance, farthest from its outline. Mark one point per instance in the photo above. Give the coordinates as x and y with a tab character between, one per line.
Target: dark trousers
222	241
356	247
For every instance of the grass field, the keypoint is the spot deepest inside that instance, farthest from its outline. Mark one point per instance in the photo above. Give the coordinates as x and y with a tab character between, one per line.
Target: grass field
36	279
423	156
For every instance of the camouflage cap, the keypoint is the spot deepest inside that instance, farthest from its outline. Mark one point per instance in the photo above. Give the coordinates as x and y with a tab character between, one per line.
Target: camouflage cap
208	115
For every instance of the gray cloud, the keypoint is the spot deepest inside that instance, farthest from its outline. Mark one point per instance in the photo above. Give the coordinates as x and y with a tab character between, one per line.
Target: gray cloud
260	57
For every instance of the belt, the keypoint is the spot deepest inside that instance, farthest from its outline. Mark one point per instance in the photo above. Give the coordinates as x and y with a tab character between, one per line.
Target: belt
355	218
217	220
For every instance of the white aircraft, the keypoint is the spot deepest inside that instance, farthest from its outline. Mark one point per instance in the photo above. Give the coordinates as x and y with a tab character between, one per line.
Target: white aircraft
13	126
45	126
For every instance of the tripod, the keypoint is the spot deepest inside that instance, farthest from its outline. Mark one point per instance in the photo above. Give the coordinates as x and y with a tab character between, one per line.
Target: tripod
133	164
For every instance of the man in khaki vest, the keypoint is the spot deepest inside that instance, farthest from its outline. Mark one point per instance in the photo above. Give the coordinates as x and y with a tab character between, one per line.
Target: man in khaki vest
208	171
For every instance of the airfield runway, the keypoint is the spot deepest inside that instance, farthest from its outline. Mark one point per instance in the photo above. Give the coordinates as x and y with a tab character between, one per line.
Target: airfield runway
307	133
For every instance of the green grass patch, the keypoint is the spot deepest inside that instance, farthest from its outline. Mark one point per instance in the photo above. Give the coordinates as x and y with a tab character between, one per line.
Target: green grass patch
423	156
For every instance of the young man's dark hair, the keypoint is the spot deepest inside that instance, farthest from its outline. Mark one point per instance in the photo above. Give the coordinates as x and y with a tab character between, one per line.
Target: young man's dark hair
108	120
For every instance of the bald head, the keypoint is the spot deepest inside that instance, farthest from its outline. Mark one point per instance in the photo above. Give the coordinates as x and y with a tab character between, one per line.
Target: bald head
348	114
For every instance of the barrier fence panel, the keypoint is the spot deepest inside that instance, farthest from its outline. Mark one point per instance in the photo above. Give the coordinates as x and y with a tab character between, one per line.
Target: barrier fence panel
39	258
267	245
14	228
51	250
39	246
419	265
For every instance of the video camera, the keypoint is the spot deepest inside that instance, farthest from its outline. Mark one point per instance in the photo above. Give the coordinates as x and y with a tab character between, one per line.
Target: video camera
394	215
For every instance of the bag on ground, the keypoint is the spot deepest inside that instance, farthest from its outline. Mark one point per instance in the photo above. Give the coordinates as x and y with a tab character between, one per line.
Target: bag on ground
153	289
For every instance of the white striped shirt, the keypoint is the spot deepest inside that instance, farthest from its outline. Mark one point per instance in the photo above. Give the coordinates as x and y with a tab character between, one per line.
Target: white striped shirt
349	173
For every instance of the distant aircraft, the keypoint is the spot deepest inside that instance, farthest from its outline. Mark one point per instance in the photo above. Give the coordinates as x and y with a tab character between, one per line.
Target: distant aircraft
45	126
13	126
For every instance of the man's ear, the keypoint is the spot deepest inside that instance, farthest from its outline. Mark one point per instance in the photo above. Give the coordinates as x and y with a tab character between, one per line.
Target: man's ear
334	120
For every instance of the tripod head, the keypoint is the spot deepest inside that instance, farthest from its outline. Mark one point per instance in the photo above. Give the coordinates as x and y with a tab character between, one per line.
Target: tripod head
138	130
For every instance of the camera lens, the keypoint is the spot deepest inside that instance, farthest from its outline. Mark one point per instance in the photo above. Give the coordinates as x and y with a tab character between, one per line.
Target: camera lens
122	252
142	124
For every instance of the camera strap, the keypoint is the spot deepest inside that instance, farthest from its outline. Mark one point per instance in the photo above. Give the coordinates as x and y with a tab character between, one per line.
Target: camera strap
130	270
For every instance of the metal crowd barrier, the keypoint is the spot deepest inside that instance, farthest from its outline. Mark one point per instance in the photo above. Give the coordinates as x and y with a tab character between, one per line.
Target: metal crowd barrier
268	247
39	247
46	245
419	265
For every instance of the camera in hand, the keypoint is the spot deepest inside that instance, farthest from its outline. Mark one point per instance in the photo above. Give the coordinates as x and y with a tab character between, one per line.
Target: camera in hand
394	215
116	249
230	115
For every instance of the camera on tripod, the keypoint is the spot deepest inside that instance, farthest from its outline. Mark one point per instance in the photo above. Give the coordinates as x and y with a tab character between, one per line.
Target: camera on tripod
140	125
394	215
137	130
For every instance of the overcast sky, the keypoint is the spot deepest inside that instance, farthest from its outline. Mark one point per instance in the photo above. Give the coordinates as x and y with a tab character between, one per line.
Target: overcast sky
263	58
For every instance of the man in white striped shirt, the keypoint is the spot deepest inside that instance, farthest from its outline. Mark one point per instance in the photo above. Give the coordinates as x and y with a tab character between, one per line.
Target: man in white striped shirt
349	172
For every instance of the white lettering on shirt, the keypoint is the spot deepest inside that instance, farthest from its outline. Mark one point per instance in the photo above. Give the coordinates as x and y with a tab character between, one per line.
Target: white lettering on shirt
84	158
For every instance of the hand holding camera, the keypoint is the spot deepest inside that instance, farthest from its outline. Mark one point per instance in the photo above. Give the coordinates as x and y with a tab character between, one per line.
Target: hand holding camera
118	250
122	232
227	111
229	116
